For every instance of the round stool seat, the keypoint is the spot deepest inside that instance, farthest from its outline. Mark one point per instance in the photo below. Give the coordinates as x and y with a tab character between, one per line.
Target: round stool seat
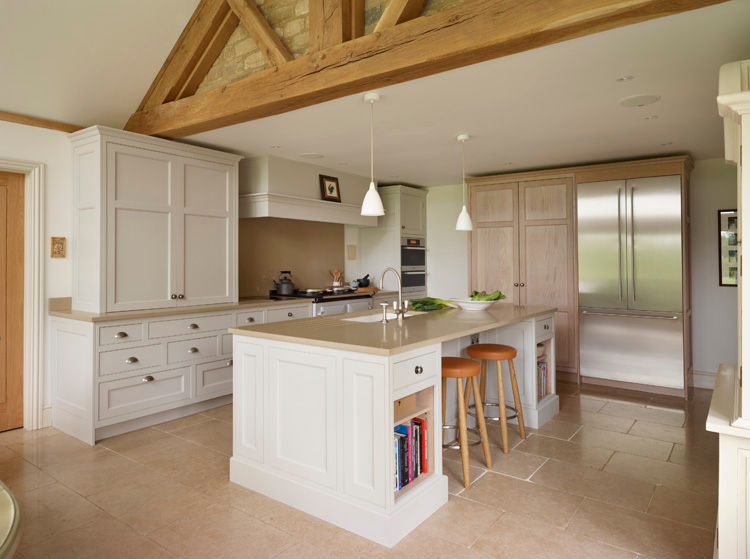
460	367
492	352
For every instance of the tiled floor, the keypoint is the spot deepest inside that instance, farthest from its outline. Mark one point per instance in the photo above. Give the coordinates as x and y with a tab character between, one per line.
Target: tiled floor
611	476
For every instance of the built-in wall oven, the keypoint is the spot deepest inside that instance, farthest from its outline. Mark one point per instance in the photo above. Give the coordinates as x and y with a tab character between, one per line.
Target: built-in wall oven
413	264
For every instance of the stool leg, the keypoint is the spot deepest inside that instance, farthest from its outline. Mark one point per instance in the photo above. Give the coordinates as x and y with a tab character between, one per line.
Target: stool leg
501	407
481	423
462	438
442	432
467	394
483	380
517	398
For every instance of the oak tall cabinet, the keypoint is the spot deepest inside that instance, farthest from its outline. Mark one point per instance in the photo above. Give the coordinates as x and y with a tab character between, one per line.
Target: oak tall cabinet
155	223
523	244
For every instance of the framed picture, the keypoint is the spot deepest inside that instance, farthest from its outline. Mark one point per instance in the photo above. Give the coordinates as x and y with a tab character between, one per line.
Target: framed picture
329	188
57	247
728	259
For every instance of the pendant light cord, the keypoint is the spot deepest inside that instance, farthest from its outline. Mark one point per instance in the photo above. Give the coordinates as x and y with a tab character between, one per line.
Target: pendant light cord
463	170
372	144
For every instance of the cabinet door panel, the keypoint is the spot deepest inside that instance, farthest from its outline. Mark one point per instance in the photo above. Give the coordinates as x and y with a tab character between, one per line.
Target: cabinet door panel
545	201
248	378
493	203
413	215
364	431
495	260
547	265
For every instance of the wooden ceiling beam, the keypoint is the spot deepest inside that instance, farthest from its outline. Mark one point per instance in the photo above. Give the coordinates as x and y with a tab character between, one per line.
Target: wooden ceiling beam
399	11
261	31
39	122
358	18
330	23
193	53
470	33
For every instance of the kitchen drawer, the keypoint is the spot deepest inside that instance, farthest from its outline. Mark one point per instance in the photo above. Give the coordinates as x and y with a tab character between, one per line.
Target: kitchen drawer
226	344
248	318
214	379
109	335
414	370
191	350
143	393
544	328
131	359
194	325
289	313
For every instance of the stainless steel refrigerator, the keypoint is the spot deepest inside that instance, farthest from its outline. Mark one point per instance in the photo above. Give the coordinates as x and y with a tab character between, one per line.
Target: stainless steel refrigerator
630	281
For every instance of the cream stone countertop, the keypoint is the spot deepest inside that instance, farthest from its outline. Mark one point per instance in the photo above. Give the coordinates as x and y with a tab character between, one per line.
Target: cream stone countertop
376	338
151	313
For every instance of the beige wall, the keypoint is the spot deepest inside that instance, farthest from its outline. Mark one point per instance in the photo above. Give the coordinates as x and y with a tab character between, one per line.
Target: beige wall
268	245
447	249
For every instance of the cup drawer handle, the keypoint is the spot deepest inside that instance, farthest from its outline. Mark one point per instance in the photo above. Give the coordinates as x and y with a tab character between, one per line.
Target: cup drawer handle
121	335
250	319
131	360
193	350
148	378
230	363
193	326
418	370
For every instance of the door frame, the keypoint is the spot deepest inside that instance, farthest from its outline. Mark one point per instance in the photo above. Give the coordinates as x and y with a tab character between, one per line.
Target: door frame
34	310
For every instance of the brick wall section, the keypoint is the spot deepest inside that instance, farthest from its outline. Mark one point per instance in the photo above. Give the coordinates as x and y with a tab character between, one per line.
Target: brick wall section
290	19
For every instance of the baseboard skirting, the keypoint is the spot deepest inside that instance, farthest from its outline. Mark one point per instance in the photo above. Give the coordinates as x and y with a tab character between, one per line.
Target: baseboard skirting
703	379
46	416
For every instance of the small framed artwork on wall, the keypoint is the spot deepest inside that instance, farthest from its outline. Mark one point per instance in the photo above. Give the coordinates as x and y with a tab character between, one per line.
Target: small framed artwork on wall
57	247
329	188
728	260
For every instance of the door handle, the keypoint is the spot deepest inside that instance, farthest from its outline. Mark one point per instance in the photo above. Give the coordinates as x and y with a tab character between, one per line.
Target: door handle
173	296
515	284
673	317
290	314
230	363
632	240
181	296
619	241
250	319
418	370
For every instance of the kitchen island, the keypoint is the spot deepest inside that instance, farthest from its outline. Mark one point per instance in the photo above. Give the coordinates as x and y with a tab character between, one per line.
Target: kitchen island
316	402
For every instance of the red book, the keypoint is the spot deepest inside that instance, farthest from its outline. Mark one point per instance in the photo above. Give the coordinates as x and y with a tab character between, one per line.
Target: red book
423	442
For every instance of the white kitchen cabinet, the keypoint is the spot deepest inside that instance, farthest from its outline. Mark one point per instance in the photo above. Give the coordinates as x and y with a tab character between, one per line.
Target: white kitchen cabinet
413	212
155	223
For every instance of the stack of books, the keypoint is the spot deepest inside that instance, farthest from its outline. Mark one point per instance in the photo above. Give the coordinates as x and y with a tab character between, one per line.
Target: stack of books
541	375
409	451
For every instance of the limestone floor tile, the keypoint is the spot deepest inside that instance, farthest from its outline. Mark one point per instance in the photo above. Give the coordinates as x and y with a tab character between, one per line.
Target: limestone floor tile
662	473
523	497
640	532
52	449
593	437
559	429
22	435
94	471
651	414
192	465
595	484
214	434
182	422
598	420
516	463
20	475
592	457
493	434
460	521
103	538
306	550
223	413
149	502
454	471
344	545
418	545
221	532
670	433
685	506
141	443
567	388
52	509
516	537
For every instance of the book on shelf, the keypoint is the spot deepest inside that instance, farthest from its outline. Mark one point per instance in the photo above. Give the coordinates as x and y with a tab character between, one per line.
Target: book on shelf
541	375
409	451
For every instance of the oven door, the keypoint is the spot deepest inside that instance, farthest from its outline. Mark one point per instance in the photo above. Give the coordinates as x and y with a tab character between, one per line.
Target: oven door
413	280
413	258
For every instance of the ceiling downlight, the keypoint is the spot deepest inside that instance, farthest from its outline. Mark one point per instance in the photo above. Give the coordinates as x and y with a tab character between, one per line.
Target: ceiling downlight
639	100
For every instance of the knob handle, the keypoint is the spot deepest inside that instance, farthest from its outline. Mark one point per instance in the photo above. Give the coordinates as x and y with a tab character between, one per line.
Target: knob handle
181	296
515	284
230	362
290	314
131	360
121	335
250	319
523	284
148	378
173	296
193	326
418	369
193	350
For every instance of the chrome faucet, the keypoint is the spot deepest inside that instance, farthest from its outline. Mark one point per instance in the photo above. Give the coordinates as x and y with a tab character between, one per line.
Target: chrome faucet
401	306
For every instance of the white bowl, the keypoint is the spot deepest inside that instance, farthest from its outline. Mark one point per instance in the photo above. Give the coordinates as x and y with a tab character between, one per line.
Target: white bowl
469	305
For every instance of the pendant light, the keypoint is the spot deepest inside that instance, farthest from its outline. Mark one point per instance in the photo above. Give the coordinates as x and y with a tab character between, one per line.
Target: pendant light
464	219
372	205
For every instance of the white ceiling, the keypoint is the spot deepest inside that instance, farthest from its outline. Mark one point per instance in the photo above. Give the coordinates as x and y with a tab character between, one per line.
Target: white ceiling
84	61
553	106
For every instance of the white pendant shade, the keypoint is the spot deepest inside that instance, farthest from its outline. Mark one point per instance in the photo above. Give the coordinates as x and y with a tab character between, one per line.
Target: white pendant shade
464	221
372	205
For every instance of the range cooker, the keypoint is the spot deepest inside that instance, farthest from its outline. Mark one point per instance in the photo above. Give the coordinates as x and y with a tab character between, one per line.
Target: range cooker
329	301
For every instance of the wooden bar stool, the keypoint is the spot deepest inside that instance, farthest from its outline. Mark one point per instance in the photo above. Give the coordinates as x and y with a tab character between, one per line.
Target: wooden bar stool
498	353
460	368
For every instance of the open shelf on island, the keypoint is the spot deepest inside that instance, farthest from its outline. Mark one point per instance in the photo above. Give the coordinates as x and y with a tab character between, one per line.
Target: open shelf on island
418	404
543	369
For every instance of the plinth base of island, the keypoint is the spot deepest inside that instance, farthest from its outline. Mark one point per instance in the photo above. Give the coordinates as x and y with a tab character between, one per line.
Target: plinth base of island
385	528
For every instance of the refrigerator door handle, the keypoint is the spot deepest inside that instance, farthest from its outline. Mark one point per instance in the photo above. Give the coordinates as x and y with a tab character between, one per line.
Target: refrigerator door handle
619	241
632	239
673	317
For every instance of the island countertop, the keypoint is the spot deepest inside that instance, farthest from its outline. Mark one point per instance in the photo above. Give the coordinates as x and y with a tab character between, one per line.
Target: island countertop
423	329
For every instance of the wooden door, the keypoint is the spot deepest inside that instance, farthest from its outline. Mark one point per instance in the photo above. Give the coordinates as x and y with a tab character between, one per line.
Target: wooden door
141	229
494	241
547	258
207	234
413	215
11	300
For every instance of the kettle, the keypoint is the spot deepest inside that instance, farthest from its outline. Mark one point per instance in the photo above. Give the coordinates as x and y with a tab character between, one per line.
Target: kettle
286	285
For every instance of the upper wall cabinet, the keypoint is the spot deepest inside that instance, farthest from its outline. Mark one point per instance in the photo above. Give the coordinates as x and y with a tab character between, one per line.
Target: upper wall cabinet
413	206
155	223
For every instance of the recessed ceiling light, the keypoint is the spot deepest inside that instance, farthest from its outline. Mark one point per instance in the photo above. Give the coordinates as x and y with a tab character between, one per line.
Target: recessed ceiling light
311	155
275	147
650	117
666	144
507	164
343	163
625	78
639	100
